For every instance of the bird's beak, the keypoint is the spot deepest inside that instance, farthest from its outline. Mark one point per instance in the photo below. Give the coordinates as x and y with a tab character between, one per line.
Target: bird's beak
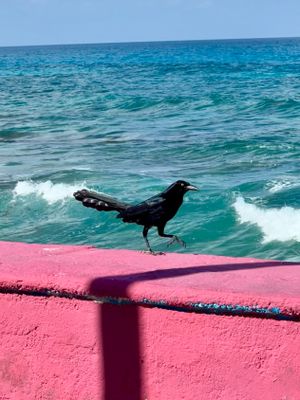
191	187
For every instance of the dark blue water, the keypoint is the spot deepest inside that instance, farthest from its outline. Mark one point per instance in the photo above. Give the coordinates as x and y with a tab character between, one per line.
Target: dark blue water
129	119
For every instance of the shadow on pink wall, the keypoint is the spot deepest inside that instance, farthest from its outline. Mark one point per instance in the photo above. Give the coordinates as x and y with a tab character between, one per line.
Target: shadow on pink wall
122	357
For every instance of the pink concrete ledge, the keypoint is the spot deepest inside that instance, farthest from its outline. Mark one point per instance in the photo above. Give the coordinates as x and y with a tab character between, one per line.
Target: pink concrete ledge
85	323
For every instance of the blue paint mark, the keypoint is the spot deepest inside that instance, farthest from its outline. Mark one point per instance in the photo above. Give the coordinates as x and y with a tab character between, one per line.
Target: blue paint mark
200	308
211	308
239	310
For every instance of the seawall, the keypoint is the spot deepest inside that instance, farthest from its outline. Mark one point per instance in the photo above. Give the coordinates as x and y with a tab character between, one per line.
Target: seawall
91	324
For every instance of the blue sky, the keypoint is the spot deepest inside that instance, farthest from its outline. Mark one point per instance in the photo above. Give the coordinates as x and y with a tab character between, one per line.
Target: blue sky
27	22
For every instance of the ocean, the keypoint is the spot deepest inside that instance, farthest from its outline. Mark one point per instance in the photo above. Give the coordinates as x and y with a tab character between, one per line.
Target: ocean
129	119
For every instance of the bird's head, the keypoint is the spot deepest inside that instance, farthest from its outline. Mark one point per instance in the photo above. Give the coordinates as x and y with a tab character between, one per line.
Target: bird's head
179	188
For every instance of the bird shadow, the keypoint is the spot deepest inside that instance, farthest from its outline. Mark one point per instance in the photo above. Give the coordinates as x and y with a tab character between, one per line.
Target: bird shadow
119	326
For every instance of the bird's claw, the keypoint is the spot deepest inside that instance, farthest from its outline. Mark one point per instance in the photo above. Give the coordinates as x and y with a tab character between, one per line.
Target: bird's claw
178	240
154	253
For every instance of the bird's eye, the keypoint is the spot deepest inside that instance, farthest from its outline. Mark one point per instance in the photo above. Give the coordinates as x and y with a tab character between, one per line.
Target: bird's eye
182	184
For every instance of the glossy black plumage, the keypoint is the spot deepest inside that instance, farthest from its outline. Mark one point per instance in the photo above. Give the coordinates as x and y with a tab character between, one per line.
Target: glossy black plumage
153	212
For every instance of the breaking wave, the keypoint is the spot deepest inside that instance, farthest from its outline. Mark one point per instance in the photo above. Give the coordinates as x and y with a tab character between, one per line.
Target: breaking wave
51	192
280	224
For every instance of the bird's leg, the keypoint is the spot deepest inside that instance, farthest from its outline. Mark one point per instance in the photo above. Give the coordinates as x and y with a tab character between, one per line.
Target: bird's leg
149	251
145	233
174	238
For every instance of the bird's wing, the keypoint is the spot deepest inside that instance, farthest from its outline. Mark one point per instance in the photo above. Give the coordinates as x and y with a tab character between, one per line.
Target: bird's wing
147	212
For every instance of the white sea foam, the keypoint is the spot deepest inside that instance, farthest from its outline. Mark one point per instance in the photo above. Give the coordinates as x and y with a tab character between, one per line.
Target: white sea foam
51	192
278	185
281	224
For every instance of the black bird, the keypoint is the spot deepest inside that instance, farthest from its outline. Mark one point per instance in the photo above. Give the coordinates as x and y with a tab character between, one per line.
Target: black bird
155	211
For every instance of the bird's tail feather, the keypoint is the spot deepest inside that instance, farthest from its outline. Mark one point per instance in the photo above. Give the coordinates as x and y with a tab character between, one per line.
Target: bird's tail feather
99	201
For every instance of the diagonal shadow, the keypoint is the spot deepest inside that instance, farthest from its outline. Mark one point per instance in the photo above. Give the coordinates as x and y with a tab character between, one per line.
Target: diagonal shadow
122	356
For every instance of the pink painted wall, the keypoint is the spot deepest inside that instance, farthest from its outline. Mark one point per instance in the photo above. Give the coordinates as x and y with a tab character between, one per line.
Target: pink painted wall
57	347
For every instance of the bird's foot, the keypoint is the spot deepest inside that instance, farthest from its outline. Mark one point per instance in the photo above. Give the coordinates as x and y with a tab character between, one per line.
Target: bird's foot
154	253
178	240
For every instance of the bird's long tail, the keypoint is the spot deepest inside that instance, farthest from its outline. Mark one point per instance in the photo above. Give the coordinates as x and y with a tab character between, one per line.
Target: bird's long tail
99	201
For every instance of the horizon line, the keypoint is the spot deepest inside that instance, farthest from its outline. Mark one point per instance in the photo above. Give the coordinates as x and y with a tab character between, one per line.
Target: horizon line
151	41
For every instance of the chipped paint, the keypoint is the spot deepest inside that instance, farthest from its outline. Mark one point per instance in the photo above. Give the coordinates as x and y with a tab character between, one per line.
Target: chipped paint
199	307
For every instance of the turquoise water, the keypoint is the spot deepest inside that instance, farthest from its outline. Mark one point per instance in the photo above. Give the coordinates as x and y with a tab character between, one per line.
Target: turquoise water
129	119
